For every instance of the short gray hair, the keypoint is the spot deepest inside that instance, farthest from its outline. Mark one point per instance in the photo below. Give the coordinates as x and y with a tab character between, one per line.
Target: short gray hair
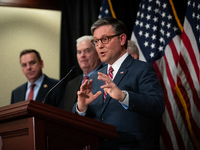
84	38
132	48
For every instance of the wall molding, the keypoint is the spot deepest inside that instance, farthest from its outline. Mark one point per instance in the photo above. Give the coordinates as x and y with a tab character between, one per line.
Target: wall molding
41	4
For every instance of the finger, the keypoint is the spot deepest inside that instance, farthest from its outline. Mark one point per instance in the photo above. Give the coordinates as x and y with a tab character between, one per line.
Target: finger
86	81
97	94
103	77
78	93
90	84
82	94
84	84
105	86
100	74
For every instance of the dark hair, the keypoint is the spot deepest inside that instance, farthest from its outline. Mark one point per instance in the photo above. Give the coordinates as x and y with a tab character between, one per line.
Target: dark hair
27	51
117	25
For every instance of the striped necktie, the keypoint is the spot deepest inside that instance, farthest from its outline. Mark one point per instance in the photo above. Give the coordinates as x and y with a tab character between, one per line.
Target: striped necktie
110	74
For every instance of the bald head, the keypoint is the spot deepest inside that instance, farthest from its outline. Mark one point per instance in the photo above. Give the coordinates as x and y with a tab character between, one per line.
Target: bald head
132	49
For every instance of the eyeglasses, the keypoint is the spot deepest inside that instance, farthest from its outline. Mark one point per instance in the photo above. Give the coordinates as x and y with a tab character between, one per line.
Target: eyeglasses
104	39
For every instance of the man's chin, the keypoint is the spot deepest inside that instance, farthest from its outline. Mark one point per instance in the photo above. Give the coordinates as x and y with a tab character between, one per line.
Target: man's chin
31	77
104	60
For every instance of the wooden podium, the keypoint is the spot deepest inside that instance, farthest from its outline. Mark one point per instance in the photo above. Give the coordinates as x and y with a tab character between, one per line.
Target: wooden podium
31	125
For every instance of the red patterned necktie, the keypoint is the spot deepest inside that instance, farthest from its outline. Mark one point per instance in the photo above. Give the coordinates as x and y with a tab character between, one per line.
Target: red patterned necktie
110	74
85	78
31	93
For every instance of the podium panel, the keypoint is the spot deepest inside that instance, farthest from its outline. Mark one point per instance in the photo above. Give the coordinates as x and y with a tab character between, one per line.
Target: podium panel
31	125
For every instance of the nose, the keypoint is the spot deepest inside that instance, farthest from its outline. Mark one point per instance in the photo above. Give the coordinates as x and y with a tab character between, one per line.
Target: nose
28	66
82	54
99	44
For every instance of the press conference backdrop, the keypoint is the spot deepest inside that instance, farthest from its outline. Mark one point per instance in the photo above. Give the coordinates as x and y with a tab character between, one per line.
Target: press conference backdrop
22	28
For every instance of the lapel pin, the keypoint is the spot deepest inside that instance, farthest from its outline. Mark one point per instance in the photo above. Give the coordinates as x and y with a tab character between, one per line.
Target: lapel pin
45	86
122	72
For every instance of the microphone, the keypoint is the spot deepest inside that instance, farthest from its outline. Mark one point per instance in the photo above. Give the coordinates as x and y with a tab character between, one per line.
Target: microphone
45	98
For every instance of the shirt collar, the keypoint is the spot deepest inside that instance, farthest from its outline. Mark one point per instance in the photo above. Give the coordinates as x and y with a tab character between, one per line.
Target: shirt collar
38	82
92	71
117	64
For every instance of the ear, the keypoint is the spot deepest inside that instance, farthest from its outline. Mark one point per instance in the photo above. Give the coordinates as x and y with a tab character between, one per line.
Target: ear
123	38
42	64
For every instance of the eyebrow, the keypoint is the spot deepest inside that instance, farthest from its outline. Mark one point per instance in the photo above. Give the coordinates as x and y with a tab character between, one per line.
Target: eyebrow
103	35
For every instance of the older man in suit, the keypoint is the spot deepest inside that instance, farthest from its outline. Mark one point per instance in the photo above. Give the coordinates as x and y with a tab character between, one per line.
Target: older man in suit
126	94
89	62
38	83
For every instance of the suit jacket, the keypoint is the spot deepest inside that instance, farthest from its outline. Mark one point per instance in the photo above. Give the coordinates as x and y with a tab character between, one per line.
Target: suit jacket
54	98
138	126
70	96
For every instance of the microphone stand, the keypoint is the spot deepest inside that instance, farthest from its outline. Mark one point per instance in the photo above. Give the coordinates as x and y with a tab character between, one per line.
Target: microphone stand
44	101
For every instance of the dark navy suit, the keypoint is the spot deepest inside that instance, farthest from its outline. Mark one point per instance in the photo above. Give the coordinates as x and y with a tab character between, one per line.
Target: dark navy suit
138	126
53	99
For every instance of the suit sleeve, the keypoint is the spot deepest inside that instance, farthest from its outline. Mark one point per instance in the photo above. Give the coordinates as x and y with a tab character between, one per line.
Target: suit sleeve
148	98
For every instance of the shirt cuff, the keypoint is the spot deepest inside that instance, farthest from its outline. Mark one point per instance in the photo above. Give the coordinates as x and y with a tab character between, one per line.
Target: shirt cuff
125	102
79	112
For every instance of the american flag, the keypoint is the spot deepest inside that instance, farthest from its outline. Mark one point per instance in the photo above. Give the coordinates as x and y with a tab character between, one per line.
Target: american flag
174	52
106	9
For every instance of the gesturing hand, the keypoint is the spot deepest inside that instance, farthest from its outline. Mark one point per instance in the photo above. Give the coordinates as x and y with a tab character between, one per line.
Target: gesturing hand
110	87
85	95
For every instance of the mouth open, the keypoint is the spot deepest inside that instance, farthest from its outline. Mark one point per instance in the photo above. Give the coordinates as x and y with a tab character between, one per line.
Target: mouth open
102	53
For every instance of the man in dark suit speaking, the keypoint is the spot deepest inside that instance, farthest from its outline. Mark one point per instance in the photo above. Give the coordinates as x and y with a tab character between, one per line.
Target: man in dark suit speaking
126	94
89	62
38	83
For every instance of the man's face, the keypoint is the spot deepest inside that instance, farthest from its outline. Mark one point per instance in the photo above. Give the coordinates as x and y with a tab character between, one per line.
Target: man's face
87	56
31	66
111	51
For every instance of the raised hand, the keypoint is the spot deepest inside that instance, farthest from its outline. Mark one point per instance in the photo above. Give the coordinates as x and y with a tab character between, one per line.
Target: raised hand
110	87
85	95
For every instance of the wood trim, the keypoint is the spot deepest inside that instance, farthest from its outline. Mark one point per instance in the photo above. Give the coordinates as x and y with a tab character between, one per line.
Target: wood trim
41	4
30	108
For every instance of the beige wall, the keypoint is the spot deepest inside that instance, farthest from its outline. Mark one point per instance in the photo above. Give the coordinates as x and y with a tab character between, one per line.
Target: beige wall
22	28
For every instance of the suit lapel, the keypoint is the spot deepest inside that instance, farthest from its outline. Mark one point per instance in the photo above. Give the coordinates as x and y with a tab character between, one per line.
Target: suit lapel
119	76
22	96
123	70
43	89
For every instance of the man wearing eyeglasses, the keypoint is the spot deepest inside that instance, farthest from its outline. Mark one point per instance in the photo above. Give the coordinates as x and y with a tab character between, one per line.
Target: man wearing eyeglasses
126	93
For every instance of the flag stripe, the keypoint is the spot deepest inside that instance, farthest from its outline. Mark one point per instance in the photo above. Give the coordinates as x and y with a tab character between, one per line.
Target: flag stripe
188	46
157	33
172	82
168	105
194	140
180	98
189	101
188	116
174	52
166	139
190	81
